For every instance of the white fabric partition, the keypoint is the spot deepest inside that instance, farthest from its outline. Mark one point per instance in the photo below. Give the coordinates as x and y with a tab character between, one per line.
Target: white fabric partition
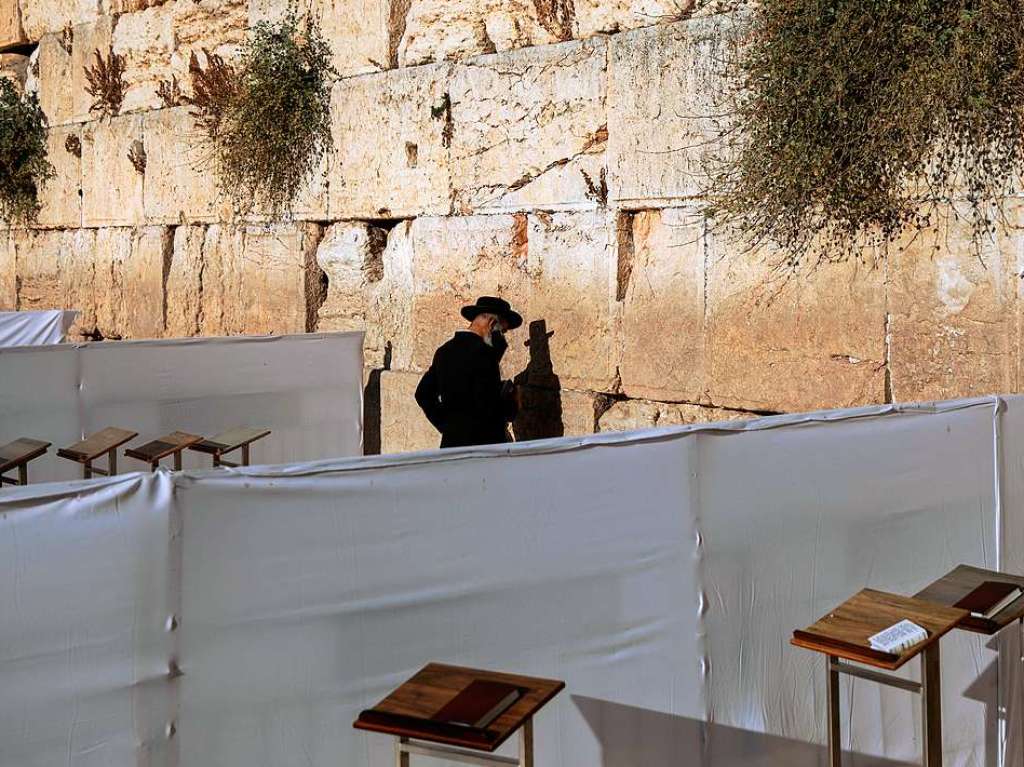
659	573
306	388
35	328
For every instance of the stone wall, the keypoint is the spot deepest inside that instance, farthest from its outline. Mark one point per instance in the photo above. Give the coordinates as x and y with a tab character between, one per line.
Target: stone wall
543	150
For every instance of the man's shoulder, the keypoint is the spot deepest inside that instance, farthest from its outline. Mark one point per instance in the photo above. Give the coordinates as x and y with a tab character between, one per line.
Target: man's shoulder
462	344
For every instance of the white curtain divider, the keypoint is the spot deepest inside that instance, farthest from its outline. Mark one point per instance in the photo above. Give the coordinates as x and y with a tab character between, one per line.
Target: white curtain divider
49	326
244	617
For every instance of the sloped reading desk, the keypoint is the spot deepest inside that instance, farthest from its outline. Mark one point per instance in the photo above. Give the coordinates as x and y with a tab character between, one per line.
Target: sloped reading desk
94	446
410	714
843	635
16	455
170	444
961	581
228	442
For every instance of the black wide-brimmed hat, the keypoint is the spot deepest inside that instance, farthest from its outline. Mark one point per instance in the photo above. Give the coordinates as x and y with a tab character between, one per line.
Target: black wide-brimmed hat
493	305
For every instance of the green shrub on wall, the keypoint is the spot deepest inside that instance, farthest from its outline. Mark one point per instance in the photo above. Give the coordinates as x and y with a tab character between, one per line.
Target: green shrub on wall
268	119
852	121
23	164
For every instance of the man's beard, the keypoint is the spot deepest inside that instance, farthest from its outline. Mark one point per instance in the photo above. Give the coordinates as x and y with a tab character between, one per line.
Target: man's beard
489	339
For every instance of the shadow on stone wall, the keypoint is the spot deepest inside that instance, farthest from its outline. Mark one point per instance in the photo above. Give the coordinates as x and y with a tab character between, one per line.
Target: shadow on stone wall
540	414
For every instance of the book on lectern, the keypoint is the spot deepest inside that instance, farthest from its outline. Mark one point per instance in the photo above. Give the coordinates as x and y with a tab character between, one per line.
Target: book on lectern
479	704
898	637
990	598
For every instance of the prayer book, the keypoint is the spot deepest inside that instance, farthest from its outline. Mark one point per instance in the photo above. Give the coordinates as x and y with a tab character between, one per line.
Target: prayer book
898	637
990	598
480	703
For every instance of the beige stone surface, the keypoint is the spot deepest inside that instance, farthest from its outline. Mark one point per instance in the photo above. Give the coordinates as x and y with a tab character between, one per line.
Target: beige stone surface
112	188
60	197
351	255
8	274
663	89
11	31
184	286
14	67
259	279
551	413
627	415
130	269
572	266
41	17
610	16
953	325
89	38
56	270
437	30
784	341
54	80
527	125
399	167
403	427
661	286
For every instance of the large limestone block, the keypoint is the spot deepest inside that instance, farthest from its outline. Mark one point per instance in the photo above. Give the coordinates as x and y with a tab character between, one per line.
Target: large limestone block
184	287
53	81
661	286
390	138
89	38
403	427
11	31
41	17
529	129
390	304
572	265
351	255
112	186
549	413
627	415
260	279
663	85
437	30
363	34
56	270
14	67
953	324
779	340
61	196
610	16
451	262
130	269
8	274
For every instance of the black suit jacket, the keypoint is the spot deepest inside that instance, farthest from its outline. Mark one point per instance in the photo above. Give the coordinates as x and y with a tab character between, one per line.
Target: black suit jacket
461	393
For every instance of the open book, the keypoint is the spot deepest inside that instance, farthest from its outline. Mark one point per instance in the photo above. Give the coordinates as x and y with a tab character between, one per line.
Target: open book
898	637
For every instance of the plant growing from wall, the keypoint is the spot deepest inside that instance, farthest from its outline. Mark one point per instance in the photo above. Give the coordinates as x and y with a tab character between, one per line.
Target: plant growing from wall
268	120
23	163
852	121
106	84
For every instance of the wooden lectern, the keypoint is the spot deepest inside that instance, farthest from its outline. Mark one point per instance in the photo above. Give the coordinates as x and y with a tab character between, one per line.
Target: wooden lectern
229	441
93	447
961	581
843	634
170	444
16	455
409	713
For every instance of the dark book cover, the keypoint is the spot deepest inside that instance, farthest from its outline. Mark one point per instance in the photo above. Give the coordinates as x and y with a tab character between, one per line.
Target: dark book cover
479	704
989	595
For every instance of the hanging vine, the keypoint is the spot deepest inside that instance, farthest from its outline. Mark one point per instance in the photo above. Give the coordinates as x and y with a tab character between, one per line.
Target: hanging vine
24	166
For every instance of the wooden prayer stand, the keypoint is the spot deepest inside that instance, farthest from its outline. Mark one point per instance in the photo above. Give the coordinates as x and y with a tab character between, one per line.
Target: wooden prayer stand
229	441
94	446
170	444
843	634
961	581
406	713
16	455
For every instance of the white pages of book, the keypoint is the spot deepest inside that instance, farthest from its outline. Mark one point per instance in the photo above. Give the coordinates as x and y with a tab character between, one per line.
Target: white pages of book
898	637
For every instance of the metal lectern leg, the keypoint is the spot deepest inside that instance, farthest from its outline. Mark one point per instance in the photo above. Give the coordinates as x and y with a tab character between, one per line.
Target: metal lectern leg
401	755
931	706
835	736
526	744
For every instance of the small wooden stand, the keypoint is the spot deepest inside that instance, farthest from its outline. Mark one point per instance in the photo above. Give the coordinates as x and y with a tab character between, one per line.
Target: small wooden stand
406	713
94	446
229	441
961	581
155	451
843	635
16	455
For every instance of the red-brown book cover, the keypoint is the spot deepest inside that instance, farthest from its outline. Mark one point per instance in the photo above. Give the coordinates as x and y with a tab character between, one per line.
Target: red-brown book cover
986	596
479	704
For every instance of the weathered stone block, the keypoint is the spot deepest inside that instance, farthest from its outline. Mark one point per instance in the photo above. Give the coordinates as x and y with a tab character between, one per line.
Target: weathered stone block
112	186
594	17
41	17
11	31
56	270
572	264
438	30
953	325
260	279
779	340
399	168
529	129
8	274
628	415
184	287
661	286
549	413
403	427
61	196
88	38
130	269
53	80
14	67
663	85
351	255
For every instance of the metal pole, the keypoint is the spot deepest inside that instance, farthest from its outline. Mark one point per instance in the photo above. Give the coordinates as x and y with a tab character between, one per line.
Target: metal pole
526	744
401	756
835	735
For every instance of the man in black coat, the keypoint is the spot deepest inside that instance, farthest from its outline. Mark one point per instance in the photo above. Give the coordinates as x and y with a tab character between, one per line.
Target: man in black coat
462	393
